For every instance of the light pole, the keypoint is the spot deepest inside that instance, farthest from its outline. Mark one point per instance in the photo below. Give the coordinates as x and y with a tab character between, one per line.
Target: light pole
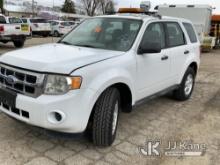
33	7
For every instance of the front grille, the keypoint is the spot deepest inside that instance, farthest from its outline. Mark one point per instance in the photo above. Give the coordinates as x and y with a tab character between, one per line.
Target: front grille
24	82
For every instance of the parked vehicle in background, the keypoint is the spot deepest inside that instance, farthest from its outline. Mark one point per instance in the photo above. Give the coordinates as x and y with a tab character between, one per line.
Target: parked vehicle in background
13	30
106	65
200	15
59	28
74	23
38	26
215	29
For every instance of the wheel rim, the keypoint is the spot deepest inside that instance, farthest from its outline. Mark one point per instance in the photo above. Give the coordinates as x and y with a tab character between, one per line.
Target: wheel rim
188	85
115	118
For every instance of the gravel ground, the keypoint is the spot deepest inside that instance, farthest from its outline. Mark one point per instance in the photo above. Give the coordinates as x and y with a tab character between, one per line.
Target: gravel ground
197	120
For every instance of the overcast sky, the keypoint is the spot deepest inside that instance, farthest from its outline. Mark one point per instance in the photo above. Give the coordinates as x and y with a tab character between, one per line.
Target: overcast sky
136	3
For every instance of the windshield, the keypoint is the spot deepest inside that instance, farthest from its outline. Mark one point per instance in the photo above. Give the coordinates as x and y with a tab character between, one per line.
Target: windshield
38	20
15	20
105	33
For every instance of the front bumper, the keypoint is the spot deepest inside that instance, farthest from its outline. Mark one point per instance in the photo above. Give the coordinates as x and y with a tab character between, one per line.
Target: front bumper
75	107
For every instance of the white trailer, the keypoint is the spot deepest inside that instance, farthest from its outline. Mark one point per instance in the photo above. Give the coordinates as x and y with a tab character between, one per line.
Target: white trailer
200	15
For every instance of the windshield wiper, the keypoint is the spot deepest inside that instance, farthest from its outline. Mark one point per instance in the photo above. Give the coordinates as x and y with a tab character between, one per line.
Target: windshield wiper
85	45
65	42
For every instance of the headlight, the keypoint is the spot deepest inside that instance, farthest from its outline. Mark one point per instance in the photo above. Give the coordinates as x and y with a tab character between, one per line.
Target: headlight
57	85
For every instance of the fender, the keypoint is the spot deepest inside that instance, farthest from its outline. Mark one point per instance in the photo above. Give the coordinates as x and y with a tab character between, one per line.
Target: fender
192	58
102	82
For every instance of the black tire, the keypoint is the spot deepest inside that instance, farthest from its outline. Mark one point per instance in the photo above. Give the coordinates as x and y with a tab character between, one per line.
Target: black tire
180	94
56	34
46	35
102	128
19	44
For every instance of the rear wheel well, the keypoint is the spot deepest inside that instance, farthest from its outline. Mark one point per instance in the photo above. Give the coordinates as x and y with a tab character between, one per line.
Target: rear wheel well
194	66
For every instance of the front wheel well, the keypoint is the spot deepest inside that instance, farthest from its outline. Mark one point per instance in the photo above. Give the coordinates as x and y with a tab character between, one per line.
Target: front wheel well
125	95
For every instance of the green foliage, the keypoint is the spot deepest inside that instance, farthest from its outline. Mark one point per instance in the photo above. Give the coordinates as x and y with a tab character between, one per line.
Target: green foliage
68	7
1	6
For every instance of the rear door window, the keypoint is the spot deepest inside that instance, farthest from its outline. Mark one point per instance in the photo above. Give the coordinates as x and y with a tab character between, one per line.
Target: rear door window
175	34
191	32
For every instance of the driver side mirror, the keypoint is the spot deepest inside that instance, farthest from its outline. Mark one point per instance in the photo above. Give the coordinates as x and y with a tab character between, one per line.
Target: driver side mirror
149	47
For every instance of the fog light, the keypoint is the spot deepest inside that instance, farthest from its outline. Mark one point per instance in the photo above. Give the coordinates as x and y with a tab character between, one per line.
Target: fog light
56	117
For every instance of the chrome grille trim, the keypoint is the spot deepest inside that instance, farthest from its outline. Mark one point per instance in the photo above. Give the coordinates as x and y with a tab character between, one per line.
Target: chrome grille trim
34	86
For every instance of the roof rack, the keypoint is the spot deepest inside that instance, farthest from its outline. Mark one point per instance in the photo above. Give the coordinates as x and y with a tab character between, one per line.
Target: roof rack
139	11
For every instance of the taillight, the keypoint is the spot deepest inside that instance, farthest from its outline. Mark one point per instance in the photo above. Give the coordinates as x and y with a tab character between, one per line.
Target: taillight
2	28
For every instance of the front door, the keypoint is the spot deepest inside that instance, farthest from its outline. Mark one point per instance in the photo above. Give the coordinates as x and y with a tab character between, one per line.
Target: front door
153	69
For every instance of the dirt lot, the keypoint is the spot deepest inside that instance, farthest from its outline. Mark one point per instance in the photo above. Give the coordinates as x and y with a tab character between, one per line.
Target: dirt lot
197	120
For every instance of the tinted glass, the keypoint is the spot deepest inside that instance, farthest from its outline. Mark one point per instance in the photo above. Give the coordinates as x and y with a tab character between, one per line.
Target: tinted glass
175	34
2	20
191	32
65	24
155	34
38	20
15	20
24	20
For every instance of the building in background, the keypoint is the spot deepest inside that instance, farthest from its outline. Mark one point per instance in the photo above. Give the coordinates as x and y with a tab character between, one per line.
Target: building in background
31	8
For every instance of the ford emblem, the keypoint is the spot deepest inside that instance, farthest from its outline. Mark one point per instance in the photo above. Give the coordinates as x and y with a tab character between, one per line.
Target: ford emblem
11	79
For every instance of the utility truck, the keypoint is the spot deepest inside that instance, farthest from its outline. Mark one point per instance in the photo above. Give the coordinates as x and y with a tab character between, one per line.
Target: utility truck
215	30
200	15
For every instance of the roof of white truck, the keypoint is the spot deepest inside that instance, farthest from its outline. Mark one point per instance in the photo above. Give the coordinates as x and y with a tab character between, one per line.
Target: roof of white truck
143	17
185	6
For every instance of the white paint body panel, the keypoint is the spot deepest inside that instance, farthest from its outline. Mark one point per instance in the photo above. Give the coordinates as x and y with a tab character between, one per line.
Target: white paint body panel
143	74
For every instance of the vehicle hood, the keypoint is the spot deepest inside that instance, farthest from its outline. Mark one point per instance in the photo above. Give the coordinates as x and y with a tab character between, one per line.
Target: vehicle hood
56	58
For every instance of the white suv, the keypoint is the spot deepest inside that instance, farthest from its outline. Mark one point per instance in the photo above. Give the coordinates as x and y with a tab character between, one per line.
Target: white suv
60	27
107	64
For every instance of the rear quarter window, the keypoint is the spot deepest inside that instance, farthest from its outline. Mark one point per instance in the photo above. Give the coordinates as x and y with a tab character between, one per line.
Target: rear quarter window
191	32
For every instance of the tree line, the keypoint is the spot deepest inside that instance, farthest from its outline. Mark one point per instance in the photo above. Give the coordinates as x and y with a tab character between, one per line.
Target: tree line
91	7
1	6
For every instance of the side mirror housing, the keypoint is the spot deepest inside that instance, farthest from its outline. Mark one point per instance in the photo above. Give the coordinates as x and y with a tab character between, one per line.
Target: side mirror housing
150	47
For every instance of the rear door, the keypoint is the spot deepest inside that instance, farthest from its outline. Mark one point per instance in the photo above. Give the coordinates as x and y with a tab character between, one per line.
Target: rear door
179	50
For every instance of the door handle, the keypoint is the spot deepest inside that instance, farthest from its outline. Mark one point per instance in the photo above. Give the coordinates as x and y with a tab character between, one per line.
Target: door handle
186	52
164	58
